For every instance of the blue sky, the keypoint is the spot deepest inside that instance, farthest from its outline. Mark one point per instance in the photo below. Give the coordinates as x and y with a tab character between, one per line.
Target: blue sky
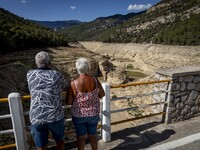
82	10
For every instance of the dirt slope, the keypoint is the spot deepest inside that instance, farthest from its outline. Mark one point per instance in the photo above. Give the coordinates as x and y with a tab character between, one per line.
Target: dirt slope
149	57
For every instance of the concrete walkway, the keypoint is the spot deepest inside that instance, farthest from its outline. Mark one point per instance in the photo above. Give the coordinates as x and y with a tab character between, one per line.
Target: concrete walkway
154	136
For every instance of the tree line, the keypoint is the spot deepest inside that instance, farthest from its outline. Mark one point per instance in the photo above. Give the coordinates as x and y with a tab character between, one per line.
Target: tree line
19	34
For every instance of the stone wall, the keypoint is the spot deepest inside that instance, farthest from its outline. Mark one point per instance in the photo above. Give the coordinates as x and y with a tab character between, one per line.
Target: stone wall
184	96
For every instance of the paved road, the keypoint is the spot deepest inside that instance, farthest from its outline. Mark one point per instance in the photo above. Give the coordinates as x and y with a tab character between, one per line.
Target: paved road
191	142
191	146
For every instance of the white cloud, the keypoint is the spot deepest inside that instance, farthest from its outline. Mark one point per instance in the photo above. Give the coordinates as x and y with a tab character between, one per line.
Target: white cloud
24	1
72	7
138	7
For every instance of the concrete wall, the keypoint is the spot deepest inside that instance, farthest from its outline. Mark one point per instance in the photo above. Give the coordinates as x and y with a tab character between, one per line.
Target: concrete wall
184	96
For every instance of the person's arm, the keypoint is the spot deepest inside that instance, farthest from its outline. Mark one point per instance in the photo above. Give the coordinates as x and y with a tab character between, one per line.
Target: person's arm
70	95
101	90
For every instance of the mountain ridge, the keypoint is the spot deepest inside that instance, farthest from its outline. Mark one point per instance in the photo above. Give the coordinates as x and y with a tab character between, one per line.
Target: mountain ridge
112	19
56	25
174	22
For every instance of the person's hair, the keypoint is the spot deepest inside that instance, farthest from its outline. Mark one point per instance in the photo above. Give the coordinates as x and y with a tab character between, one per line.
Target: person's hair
82	65
42	59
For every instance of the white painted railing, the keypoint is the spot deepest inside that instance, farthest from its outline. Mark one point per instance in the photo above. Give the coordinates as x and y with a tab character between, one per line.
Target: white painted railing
17	116
106	118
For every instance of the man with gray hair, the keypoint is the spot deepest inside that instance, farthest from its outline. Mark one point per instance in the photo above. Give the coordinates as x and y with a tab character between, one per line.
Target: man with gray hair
46	112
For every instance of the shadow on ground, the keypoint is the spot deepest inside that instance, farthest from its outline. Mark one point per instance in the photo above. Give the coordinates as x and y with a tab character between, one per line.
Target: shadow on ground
139	137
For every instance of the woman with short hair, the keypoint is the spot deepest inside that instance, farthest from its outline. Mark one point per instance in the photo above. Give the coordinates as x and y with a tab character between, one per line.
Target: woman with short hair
84	95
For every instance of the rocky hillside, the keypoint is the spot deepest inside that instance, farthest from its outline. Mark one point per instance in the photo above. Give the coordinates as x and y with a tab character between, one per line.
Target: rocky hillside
174	22
92	30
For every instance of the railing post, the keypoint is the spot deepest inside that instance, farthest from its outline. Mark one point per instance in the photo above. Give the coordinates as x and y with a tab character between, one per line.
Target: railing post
16	111
106	120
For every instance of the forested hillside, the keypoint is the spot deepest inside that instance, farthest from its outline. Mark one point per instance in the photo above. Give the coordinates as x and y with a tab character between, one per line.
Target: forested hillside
173	22
168	22
17	33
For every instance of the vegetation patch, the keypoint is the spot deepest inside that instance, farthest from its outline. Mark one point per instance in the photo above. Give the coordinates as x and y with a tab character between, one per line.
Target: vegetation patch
135	74
129	66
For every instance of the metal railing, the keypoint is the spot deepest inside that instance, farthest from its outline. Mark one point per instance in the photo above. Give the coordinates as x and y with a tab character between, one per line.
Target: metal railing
137	96
106	112
23	98
6	116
